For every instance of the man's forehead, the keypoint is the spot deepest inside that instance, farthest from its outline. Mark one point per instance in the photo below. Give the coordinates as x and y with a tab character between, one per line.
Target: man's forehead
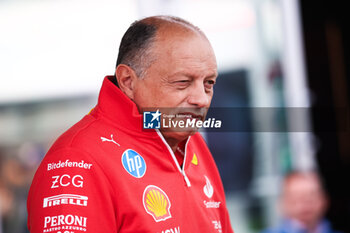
183	47
170	40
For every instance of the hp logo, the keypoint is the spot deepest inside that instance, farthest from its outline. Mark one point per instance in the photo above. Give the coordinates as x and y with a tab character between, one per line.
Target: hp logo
133	163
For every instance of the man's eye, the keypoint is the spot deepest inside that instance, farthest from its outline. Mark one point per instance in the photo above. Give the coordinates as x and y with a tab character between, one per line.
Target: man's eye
182	81
209	83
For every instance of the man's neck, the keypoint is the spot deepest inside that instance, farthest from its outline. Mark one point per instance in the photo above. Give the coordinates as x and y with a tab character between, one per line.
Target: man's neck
173	143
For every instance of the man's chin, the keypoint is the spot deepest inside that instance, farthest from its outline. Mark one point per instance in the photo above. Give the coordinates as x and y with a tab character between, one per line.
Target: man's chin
178	135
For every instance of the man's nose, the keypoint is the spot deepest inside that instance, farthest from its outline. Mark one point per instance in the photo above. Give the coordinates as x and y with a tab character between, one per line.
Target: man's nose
198	97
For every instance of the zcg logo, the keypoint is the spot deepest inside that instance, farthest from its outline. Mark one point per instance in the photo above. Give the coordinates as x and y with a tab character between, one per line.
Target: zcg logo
133	163
66	180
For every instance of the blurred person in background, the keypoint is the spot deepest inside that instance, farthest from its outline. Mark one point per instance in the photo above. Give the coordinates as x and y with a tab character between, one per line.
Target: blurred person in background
303	204
15	177
6	208
106	174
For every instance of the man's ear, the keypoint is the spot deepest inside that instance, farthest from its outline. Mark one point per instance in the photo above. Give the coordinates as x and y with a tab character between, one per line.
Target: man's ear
126	78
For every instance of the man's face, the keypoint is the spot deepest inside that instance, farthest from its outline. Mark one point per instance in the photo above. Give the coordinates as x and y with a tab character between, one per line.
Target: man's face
182	76
304	200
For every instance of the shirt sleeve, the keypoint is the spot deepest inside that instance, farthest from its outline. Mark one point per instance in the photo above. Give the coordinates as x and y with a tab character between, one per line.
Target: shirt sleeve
70	193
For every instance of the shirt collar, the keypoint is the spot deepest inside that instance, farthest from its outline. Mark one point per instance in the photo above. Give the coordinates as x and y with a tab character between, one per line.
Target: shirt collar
119	109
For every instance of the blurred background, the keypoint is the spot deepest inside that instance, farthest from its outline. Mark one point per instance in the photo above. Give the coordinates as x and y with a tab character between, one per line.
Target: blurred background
280	55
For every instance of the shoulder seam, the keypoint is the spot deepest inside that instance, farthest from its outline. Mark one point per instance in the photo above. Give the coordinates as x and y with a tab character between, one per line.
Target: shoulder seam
70	144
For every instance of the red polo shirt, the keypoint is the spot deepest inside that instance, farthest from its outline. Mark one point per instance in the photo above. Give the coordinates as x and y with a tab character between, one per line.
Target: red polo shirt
105	174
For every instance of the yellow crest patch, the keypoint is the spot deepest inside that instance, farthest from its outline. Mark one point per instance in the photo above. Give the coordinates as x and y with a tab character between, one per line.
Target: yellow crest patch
194	159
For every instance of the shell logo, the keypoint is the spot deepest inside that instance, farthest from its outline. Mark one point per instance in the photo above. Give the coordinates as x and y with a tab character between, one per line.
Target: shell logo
156	203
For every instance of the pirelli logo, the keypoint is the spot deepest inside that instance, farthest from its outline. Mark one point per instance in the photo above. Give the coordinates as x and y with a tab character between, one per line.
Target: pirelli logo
65	199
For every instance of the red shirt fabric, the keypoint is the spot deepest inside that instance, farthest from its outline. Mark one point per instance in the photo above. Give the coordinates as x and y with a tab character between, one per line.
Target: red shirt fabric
106	174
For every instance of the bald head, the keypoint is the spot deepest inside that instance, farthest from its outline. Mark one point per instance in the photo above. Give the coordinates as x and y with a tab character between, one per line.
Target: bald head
136	46
164	21
304	198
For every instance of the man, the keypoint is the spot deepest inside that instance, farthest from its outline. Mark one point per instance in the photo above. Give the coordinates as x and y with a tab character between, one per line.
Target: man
107	174
303	205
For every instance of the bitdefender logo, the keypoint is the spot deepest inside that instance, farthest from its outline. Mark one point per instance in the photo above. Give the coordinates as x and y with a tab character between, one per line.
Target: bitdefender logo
68	163
151	120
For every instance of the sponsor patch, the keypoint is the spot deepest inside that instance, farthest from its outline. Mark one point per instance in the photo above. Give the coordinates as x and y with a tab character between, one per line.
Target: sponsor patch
67	163
64	222
67	180
208	188
212	204
133	163
103	139
65	199
172	230
194	159
217	225
156	203
209	191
